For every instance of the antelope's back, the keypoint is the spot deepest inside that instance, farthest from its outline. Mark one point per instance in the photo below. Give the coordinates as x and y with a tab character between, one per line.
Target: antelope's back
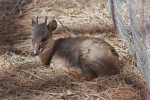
86	51
99	56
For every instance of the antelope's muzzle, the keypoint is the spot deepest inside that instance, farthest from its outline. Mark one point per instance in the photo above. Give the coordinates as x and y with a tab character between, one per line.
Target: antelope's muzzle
36	49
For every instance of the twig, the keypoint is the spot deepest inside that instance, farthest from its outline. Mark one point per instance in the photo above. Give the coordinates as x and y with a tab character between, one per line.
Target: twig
4	54
70	33
3	15
46	93
89	15
22	46
32	74
15	6
1	89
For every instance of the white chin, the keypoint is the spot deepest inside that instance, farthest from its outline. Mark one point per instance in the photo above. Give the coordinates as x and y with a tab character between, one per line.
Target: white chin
41	49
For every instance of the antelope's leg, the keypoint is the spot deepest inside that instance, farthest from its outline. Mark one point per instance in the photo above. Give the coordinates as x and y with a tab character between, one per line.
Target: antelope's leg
73	73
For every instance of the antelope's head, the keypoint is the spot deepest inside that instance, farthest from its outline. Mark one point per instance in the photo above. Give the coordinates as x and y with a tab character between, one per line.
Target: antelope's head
41	33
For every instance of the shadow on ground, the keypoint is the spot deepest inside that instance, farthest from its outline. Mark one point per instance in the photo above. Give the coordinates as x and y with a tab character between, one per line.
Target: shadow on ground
11	33
16	84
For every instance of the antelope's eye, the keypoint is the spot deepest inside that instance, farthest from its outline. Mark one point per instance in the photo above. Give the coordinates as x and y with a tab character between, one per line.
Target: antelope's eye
44	39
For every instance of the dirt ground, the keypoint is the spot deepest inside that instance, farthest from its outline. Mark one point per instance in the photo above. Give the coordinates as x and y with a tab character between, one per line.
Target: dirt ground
22	78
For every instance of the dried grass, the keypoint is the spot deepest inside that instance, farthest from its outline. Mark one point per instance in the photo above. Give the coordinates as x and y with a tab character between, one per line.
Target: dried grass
82	19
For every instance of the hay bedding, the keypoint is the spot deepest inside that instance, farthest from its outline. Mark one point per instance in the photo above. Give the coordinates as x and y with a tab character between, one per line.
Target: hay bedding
22	78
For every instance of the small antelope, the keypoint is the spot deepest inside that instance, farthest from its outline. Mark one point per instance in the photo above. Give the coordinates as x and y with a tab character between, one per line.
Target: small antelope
88	57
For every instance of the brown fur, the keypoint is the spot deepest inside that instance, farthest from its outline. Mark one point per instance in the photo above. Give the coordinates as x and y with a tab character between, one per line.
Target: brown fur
88	56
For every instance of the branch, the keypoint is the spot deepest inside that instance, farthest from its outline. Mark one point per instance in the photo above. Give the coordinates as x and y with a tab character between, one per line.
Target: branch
15	7
32	74
70	33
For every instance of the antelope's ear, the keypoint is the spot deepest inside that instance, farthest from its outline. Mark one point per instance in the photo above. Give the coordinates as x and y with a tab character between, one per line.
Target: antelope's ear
33	22
52	25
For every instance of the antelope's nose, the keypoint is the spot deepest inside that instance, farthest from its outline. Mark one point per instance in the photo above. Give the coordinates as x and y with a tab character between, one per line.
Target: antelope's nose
35	53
